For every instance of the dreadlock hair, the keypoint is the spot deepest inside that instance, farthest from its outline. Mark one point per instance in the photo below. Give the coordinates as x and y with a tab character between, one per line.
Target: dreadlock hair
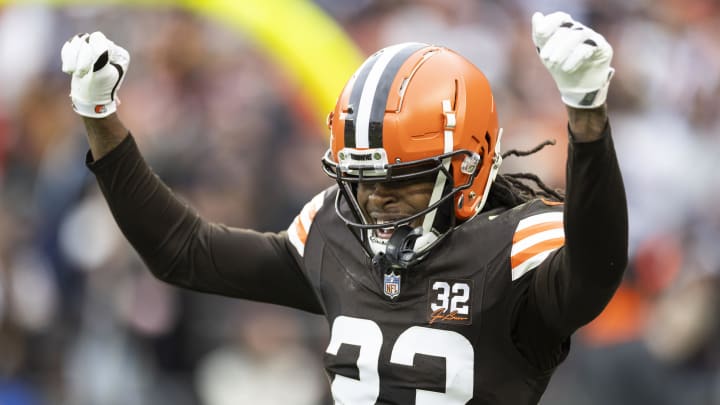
512	189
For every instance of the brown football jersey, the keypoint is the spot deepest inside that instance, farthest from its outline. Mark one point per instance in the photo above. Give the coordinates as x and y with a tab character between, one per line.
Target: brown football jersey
444	331
484	319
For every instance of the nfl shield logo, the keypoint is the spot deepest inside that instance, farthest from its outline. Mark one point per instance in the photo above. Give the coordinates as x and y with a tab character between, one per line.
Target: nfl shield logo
392	285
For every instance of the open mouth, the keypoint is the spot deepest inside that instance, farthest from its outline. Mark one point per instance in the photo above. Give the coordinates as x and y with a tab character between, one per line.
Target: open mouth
384	233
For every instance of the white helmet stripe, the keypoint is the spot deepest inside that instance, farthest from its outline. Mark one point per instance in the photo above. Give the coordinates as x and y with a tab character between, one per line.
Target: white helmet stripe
379	73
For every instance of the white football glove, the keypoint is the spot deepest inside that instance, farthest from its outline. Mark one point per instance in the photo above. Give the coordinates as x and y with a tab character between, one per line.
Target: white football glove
98	67
577	57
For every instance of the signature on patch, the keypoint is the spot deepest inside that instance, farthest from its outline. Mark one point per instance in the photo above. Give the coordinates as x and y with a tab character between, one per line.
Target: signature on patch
440	315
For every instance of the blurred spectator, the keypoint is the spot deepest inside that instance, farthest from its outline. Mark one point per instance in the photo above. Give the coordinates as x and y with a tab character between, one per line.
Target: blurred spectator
265	364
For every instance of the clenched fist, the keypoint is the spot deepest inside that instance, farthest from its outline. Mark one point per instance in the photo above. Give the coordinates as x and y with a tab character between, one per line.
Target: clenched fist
577	57
98	67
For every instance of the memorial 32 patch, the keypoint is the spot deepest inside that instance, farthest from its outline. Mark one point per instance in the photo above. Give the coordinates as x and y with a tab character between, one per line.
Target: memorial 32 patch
450	301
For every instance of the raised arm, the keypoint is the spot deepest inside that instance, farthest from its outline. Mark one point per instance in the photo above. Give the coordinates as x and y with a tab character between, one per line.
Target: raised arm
587	124
177	245
104	134
575	284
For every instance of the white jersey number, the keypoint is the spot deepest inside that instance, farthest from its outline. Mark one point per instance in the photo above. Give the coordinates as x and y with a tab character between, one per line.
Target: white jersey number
454	347
452	298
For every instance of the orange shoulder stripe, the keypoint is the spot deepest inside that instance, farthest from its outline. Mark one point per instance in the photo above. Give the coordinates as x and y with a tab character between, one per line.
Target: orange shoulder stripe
534	229
547	245
301	231
299	228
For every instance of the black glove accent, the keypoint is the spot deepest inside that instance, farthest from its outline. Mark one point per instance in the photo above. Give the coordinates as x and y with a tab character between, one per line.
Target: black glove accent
101	61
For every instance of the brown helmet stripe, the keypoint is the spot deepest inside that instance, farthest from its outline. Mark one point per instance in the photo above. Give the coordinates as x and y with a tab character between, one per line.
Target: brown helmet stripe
369	95
351	115
382	92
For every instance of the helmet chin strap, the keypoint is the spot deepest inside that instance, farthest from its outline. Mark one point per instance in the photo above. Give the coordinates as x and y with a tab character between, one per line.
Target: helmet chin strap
428	236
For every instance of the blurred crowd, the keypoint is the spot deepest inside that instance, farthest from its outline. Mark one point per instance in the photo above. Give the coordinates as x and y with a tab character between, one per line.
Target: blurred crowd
82	321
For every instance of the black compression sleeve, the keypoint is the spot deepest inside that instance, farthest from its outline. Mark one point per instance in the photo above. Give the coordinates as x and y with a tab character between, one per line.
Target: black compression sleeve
575	284
181	248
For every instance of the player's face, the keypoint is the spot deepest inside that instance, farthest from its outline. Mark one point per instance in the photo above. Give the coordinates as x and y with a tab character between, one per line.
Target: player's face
384	202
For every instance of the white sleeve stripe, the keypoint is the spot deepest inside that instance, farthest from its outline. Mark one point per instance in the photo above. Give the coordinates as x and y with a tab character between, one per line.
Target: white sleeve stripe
539	219
529	264
295	238
318	200
536	238
305	217
304	220
310	209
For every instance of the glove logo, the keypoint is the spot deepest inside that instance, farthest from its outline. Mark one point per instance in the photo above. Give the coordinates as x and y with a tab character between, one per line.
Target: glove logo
100	109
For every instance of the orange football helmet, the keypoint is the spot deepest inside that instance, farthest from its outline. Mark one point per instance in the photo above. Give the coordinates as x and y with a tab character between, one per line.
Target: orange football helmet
410	110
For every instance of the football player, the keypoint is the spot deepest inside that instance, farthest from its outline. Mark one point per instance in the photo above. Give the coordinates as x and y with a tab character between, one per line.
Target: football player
443	282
